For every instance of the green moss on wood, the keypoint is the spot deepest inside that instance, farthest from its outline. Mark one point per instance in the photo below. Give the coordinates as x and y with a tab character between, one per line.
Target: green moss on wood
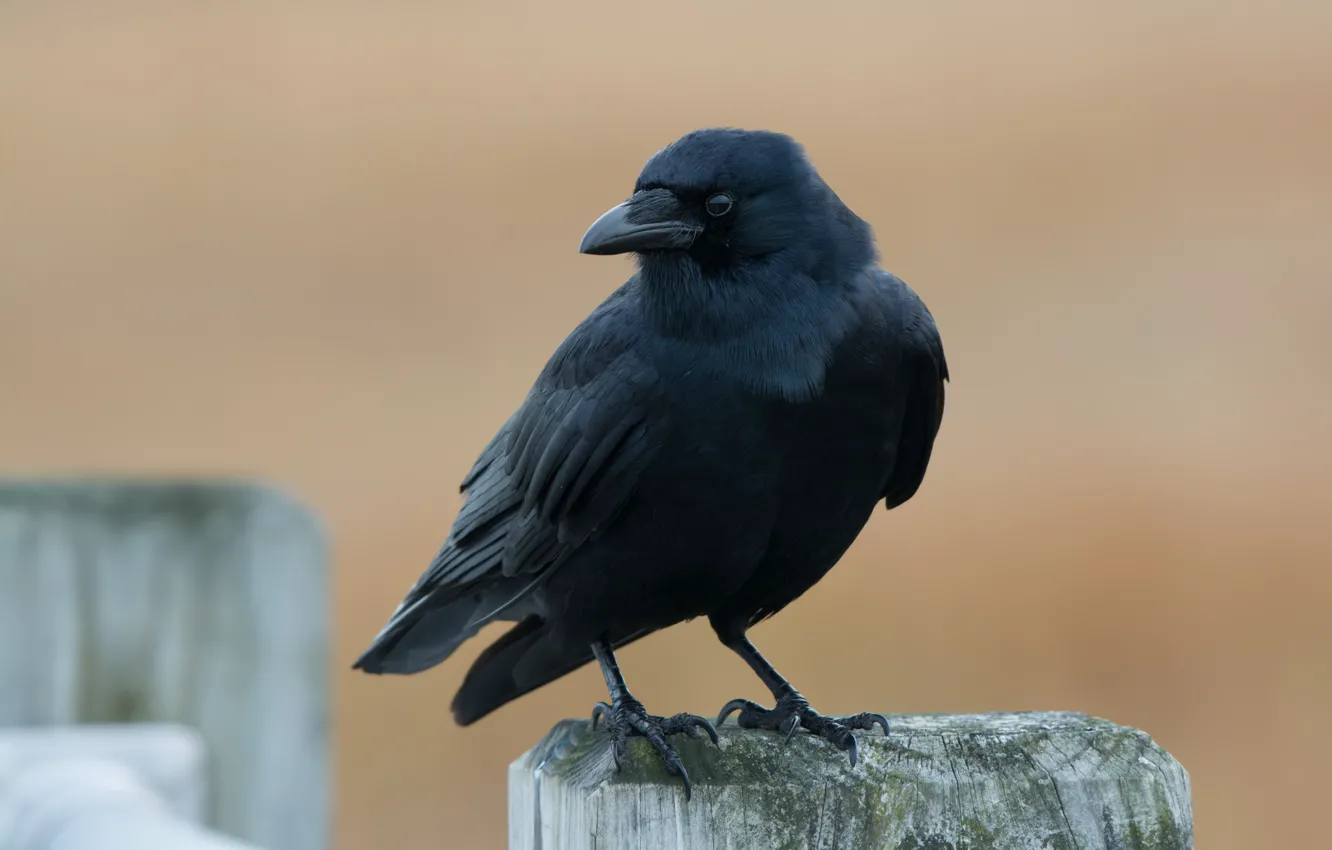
962	783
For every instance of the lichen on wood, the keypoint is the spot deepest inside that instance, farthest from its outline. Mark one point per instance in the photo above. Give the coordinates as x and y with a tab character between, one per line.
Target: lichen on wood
1056	780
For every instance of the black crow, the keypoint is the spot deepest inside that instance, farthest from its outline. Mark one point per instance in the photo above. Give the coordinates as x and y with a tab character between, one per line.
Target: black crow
709	441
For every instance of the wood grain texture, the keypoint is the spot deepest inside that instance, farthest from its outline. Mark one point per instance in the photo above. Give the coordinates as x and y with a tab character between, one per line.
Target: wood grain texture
203	604
1054	780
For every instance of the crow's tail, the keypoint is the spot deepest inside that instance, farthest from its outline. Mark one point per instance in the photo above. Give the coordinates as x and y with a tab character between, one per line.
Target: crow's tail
419	636
522	660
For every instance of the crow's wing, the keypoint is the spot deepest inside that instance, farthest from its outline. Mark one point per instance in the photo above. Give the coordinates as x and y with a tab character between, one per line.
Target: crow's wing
924	372
559	470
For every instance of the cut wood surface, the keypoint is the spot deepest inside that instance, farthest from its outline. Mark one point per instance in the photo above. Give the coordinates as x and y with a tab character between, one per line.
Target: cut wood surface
1055	780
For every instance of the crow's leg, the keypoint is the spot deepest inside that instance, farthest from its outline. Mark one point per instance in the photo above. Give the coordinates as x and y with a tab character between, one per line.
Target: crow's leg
625	717
792	710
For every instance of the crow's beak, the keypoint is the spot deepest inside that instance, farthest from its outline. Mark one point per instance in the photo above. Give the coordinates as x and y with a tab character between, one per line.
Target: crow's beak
652	220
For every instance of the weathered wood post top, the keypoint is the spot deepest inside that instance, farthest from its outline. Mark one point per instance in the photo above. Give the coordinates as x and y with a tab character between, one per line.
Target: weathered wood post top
1055	780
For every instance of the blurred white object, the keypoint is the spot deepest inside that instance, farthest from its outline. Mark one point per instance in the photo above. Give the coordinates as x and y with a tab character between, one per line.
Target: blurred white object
118	787
197	602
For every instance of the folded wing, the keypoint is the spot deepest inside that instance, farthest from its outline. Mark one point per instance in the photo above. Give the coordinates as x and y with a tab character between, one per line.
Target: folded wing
558	472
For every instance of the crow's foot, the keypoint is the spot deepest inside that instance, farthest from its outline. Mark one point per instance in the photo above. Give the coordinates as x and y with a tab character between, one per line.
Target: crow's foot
626	718
792	712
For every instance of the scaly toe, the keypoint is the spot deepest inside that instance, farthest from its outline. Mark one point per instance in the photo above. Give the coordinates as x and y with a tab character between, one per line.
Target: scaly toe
865	721
688	724
627	719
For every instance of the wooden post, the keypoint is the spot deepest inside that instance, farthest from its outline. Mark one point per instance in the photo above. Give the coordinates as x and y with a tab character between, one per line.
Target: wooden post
203	604
1041	780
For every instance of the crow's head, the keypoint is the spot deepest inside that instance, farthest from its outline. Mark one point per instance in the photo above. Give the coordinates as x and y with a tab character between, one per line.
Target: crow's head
725	198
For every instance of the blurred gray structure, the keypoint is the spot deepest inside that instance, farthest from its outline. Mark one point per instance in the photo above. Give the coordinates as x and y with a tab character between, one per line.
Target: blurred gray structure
133	785
203	604
1024	781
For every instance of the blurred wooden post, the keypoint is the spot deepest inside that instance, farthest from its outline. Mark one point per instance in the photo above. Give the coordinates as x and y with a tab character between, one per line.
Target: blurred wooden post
203	604
1041	780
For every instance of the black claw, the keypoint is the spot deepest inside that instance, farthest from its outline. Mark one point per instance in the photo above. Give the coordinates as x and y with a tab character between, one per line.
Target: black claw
711	730
864	721
626	718
730	708
690	724
792	712
599	711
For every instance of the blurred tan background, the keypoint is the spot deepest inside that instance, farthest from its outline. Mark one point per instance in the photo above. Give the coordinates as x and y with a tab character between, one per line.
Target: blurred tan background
331	245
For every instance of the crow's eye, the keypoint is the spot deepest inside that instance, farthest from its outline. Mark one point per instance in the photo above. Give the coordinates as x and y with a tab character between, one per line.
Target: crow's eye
719	204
